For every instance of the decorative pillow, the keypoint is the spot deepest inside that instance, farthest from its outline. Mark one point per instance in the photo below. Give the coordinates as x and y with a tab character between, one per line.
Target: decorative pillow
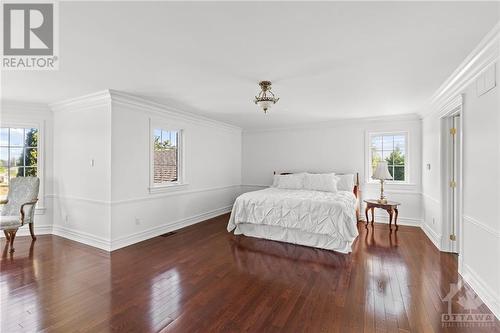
293	181
326	182
275	180
345	182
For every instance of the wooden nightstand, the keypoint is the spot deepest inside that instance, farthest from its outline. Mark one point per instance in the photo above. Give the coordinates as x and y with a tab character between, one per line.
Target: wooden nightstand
390	206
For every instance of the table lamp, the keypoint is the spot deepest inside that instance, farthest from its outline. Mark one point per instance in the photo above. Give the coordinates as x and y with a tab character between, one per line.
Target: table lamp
382	173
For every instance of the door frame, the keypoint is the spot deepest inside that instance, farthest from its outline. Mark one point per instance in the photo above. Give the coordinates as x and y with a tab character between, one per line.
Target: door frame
449	112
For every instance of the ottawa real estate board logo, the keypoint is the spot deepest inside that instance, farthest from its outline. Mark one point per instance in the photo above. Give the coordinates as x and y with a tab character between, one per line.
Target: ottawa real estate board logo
470	316
30	36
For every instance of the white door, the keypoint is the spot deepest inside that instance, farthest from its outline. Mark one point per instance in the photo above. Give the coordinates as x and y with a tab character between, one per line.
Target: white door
455	184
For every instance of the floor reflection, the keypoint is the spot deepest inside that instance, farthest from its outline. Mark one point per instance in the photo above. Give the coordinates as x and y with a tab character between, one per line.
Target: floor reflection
285	263
165	300
385	238
6	254
203	279
27	300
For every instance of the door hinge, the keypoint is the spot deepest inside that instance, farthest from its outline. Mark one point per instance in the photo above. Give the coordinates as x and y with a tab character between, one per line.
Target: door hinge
453	237
453	184
453	131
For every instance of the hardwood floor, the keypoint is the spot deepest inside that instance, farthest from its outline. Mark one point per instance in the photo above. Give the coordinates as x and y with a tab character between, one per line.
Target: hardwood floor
203	279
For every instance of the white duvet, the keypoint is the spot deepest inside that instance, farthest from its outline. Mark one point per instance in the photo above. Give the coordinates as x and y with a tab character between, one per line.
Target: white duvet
313	218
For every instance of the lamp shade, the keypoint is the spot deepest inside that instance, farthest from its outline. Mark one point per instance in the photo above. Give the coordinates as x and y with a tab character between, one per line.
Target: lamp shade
382	171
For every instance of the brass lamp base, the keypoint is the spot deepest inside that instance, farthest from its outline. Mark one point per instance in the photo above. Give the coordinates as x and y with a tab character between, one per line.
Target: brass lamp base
382	199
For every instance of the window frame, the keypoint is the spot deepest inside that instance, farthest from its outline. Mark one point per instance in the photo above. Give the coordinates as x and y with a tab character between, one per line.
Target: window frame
40	205
181	180
368	159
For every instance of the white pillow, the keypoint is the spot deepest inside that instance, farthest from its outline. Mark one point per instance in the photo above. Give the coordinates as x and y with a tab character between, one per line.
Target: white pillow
275	180
345	182
293	181
326	182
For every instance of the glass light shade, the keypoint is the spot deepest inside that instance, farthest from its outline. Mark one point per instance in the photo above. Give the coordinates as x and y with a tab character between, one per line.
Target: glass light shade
382	171
265	105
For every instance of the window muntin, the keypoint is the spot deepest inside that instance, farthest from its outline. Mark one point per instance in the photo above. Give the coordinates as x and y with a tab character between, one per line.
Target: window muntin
166	157
19	154
393	148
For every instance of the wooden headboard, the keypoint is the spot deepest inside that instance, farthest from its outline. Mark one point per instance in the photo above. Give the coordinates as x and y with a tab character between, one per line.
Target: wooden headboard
355	190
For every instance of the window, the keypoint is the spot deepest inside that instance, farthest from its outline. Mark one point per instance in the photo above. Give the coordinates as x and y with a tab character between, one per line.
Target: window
393	148
166	157
18	155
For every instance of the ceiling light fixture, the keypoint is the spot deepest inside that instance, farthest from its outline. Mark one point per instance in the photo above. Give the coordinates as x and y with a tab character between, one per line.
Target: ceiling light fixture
266	98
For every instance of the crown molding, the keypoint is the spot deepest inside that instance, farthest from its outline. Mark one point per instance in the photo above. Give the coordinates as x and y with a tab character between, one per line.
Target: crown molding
452	104
485	54
337	122
89	101
110	97
143	104
8	106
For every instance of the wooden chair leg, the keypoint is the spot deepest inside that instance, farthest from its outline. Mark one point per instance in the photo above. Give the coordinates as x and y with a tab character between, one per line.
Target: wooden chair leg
32	231
12	235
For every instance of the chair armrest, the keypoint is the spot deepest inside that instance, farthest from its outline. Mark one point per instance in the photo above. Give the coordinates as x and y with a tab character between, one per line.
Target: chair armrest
3	202
30	203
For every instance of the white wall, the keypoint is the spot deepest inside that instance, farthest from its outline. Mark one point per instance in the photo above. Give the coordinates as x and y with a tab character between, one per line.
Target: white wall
82	191
336	146
479	255
107	203
39	115
212	171
431	179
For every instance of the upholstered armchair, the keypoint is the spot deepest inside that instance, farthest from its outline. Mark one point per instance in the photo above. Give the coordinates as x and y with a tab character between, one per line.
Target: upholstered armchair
19	208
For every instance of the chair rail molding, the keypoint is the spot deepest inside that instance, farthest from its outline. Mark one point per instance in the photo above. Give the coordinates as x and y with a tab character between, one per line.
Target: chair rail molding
431	198
486	228
143	198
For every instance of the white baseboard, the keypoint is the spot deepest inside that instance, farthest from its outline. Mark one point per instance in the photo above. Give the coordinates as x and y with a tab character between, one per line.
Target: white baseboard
168	227
82	237
107	245
25	231
432	235
487	295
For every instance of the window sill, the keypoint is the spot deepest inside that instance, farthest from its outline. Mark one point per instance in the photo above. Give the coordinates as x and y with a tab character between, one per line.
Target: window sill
409	188
167	187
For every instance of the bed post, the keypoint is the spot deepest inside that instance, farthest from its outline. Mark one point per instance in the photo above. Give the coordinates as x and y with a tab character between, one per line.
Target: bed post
357	194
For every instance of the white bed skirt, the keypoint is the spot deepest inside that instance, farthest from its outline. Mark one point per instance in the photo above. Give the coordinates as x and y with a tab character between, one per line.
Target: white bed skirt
293	236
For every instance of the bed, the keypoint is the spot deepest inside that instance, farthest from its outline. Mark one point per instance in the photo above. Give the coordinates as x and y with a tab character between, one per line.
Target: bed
313	218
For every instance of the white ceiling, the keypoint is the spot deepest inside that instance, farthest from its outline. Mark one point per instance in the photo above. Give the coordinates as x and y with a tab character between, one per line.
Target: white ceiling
326	60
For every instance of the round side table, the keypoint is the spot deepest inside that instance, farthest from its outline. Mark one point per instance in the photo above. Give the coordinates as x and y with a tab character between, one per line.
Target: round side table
390	206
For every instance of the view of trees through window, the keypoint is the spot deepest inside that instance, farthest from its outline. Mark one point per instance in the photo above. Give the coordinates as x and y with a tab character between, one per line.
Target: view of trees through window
391	148
166	156
18	155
